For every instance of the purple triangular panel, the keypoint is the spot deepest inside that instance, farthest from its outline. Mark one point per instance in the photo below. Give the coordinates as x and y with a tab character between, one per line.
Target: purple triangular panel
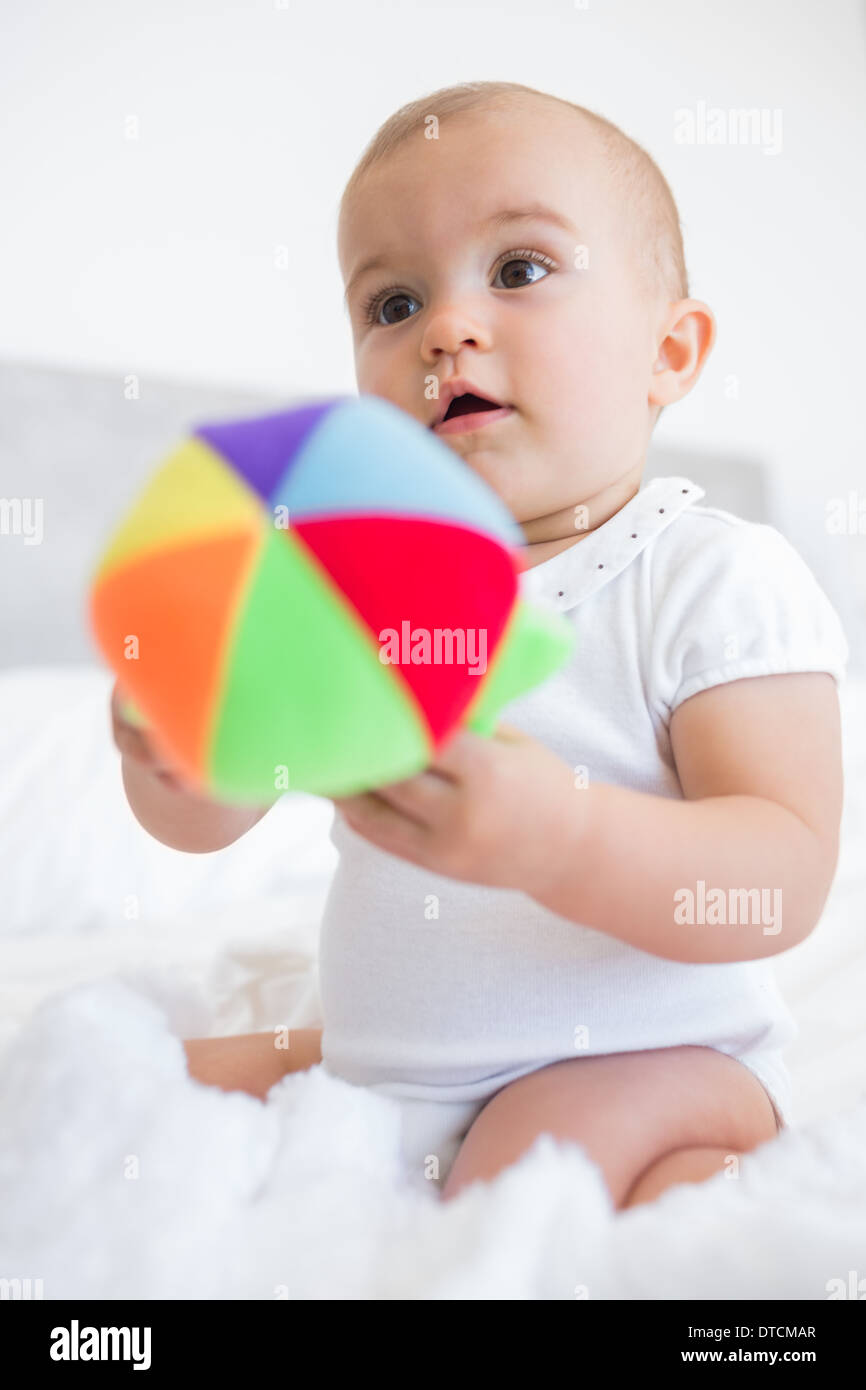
263	449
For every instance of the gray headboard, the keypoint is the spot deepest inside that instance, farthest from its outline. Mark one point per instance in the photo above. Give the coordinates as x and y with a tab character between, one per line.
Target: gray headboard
75	441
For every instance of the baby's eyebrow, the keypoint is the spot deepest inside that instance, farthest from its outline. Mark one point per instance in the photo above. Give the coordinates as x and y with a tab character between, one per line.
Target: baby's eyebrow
535	212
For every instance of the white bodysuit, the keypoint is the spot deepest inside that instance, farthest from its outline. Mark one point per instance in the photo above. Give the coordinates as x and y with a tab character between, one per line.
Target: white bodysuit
440	992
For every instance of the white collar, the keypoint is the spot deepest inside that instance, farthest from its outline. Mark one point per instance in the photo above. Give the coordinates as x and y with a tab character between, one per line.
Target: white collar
578	571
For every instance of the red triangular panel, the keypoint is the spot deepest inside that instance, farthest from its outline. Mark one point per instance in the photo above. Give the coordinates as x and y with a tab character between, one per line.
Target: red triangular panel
433	576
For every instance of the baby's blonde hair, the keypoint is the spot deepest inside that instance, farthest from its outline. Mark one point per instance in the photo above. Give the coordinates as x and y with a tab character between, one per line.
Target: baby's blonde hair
652	218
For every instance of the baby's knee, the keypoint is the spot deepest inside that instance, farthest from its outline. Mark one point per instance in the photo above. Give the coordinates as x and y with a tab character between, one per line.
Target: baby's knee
682	1165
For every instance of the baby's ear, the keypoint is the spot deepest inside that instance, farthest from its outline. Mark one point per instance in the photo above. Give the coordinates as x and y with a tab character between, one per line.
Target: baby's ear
688	336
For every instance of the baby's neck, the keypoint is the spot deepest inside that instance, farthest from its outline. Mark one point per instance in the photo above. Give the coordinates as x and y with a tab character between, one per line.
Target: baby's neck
539	551
547	536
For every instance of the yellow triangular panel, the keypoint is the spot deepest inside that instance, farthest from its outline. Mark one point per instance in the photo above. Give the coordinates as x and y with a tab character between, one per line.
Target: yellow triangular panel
195	495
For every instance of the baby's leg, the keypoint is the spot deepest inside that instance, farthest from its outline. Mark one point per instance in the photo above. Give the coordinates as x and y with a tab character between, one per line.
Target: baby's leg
252	1062
627	1110
683	1165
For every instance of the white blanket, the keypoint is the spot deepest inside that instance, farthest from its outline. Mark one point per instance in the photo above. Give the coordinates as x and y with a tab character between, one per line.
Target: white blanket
121	1177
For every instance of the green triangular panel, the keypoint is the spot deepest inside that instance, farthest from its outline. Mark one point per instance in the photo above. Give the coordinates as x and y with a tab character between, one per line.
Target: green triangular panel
534	645
304	688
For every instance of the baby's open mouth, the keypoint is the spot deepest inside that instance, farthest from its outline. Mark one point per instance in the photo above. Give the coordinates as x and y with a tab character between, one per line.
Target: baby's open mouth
469	405
468	411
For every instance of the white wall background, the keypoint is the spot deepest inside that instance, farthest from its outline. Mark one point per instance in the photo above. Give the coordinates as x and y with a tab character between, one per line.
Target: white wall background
159	254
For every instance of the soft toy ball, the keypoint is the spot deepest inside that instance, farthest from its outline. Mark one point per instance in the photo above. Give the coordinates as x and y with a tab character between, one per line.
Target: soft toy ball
315	600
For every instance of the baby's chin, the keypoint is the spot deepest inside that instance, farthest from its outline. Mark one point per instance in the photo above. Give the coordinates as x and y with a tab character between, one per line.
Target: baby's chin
509	476
511	469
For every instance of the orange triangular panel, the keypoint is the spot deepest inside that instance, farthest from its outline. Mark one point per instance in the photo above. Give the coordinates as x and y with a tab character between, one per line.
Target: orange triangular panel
182	605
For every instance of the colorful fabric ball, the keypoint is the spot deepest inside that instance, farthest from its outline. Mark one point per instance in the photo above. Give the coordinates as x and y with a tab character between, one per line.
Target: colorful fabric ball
314	600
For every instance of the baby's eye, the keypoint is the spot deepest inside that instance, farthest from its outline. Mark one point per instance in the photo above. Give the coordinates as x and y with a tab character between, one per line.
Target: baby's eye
377	304
514	259
392	301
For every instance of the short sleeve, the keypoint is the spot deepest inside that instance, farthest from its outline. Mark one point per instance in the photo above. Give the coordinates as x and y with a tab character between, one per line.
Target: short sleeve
737	600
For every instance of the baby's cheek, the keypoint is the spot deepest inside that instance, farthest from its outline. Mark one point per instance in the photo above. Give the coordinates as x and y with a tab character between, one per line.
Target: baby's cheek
571	365
607	394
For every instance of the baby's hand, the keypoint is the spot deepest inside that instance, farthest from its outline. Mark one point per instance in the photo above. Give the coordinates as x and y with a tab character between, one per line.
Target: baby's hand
135	743
500	811
165	802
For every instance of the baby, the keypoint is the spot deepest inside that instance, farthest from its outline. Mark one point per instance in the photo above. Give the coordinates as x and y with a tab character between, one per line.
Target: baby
565	928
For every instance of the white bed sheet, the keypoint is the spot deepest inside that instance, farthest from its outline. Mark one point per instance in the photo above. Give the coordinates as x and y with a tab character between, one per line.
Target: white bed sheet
114	947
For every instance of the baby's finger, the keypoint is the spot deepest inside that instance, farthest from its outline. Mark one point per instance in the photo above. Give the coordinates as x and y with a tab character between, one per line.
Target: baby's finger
506	733
383	825
133	745
460	755
425	797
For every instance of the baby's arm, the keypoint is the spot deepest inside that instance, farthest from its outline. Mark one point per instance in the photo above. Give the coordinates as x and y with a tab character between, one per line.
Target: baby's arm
168	810
184	820
760	765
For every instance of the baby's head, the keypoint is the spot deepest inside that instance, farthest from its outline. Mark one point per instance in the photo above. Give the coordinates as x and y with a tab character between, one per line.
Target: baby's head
587	334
